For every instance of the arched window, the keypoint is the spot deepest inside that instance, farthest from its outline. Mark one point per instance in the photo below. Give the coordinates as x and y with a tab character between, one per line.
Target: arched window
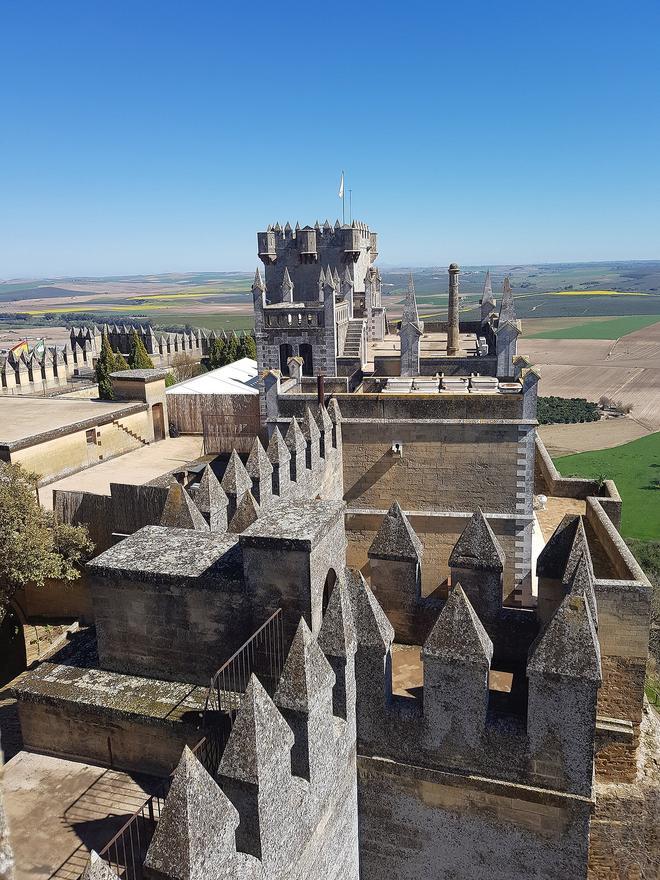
328	586
305	352
285	353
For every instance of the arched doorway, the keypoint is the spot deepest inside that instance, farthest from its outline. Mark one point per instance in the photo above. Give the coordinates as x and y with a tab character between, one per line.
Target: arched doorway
328	587
285	353
305	352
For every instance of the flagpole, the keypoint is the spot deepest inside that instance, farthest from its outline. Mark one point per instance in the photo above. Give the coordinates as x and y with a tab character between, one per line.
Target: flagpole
343	200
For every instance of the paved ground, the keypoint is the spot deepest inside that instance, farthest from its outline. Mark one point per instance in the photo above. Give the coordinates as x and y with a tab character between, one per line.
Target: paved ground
58	810
135	467
585	437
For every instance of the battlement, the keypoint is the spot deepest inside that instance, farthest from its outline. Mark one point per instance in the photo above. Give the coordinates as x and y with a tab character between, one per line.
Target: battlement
310	240
288	772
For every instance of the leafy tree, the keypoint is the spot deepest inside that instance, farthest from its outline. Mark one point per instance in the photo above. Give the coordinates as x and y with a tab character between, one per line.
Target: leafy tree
120	362
34	547
170	379
232	349
138	358
104	366
247	347
217	354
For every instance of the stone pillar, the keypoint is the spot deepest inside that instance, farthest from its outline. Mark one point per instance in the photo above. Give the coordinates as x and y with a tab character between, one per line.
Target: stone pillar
453	342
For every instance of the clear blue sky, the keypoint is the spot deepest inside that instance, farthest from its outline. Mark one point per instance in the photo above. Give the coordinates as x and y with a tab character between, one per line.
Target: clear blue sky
159	136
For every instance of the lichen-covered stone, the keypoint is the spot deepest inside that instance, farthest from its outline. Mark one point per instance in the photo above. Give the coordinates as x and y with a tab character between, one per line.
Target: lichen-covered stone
477	548
306	674
96	869
235	480
247	513
372	628
458	635
180	511
337	637
568	646
210	496
278	451
396	538
258	465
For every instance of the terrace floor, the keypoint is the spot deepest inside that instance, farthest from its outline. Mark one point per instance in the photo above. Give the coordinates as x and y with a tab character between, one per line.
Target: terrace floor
59	810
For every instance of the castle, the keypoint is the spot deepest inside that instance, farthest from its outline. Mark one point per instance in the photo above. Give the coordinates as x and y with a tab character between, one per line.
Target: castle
407	679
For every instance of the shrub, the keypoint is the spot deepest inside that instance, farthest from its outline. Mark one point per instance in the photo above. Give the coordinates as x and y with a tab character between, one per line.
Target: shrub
561	410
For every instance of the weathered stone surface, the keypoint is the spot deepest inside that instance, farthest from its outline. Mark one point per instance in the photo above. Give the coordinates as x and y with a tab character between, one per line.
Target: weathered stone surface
458	635
180	511
568	646
96	869
477	547
396	538
337	637
210	497
258	465
306	674
259	737
295	439
247	513
278	451
299	525
373	629
236	480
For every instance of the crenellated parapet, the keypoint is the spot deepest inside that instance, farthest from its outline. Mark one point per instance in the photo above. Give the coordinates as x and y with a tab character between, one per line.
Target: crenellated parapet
284	803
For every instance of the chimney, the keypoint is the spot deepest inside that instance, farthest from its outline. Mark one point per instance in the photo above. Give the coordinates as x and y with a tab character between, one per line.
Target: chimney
452	330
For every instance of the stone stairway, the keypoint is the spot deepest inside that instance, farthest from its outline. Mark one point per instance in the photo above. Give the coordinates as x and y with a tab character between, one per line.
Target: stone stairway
353	339
130	433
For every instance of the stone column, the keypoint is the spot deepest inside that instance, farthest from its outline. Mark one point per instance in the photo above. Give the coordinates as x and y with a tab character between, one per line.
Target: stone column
452	329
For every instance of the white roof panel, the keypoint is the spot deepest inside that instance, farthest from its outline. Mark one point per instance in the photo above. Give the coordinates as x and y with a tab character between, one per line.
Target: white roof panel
238	378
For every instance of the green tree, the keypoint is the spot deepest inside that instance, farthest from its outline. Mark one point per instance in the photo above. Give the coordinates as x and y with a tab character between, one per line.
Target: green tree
232	349
217	353
104	366
138	358
247	347
34	547
170	379
120	362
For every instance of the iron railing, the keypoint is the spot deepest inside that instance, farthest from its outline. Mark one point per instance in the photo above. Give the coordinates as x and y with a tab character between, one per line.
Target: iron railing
263	655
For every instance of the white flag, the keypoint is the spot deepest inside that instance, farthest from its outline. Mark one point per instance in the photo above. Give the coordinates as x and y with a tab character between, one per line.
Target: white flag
341	186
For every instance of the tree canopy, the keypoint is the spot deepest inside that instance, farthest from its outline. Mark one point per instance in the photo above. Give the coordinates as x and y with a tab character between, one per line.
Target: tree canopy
226	351
34	547
138	358
104	366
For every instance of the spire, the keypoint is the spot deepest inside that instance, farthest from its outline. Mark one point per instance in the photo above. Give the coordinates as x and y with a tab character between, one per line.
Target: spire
257	284
287	286
487	295
410	315
97	869
278	451
210	496
507	306
180	511
337	637
372	627
183	846
258	464
477	547
236	479
458	635
306	674
396	538
259	734
568	646
247	512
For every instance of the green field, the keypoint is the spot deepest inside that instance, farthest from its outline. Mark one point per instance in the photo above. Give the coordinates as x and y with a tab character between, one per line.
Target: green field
633	467
610	329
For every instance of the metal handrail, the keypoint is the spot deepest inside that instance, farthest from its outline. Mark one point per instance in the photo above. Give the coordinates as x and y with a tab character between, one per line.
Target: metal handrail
126	851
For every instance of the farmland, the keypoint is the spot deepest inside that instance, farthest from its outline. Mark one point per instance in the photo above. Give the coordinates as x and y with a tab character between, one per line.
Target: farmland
635	468
610	329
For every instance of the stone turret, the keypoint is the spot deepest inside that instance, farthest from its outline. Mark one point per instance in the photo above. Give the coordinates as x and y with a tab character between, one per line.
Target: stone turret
456	655
395	557
477	562
180	511
453	331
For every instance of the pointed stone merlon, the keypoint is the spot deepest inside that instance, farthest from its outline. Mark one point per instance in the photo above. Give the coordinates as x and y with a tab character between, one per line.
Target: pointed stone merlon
96	869
235	482
487	299
338	641
564	674
395	557
304	697
335	417
211	500
297	445
373	660
312	435
260	470
551	565
453	333
180	511
325	426
280	458
457	656
477	562
246	514
255	774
